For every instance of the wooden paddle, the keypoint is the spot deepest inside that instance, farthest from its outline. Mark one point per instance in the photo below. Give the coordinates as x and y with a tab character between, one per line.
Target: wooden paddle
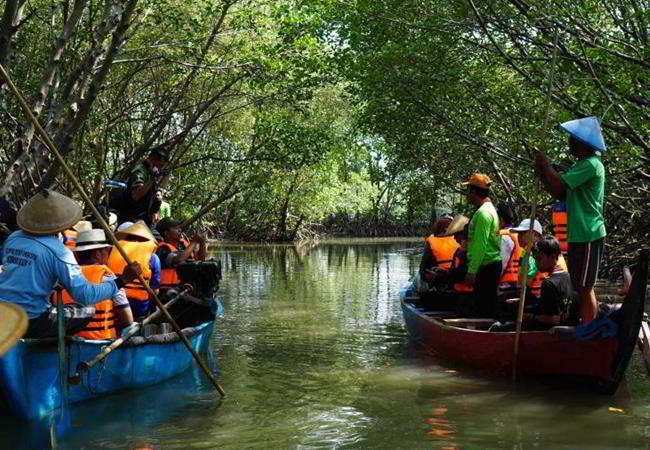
100	219
533	212
86	365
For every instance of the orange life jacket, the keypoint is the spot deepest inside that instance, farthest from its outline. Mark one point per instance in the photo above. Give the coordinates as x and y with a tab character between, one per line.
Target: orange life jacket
536	284
559	219
460	288
442	249
169	277
511	274
139	252
70	238
102	325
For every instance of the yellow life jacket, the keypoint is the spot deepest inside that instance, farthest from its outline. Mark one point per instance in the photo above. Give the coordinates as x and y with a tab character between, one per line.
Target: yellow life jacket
442	249
139	252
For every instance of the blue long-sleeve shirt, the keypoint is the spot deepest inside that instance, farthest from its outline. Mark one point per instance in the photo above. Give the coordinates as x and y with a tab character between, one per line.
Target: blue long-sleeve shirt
33	265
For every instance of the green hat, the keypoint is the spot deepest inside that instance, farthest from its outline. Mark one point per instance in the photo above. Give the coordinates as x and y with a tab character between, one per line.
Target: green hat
48	212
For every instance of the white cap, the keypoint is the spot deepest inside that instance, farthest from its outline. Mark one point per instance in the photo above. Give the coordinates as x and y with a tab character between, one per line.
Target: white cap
525	226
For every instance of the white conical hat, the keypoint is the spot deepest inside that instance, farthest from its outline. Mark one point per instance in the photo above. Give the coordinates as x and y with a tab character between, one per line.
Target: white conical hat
587	131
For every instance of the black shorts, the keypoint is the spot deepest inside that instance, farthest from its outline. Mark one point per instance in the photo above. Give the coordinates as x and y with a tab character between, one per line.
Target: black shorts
584	262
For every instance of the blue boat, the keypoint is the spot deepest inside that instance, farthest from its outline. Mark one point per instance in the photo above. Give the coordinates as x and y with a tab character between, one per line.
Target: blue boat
30	379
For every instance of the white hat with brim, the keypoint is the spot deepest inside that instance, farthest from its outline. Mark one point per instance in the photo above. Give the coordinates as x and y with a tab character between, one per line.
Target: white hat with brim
91	240
82	225
525	226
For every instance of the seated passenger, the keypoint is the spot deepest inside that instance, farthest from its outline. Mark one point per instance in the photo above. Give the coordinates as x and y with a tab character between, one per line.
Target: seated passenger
510	254
438	253
175	250
535	276
92	251
35	260
557	304
139	244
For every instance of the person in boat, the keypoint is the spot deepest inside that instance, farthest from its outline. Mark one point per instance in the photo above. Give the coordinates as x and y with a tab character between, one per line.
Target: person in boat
140	245
534	280
437	256
510	253
70	235
557	305
459	294
138	201
35	260
484	247
583	188
114	313
165	208
175	250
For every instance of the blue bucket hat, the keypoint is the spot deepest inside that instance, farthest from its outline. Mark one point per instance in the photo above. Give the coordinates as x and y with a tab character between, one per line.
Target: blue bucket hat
587	131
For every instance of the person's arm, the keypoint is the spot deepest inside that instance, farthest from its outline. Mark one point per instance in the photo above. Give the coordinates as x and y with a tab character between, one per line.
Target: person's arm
479	234
550	178
427	263
507	245
154	265
121	306
202	253
141	189
182	256
69	275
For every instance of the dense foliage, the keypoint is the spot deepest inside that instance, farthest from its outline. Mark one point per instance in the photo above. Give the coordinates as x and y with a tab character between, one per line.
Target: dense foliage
291	118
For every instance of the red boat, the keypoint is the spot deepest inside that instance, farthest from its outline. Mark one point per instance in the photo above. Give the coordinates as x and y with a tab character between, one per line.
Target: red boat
555	352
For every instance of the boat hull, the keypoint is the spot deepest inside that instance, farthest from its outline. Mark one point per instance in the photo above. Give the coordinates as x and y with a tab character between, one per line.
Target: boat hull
554	353
30	381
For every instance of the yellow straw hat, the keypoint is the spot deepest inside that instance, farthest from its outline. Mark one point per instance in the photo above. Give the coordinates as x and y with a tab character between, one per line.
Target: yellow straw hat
456	225
13	325
48	212
138	229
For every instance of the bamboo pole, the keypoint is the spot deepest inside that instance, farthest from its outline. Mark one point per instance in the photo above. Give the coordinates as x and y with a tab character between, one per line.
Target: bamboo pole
51	147
533	212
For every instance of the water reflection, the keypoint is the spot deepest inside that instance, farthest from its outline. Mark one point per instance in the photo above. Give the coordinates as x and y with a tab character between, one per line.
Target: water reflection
314	354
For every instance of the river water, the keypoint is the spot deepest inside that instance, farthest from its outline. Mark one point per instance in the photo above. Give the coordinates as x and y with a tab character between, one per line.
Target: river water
312	353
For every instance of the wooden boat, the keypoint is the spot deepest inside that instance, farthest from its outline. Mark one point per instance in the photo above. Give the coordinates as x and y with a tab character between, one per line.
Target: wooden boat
30	379
554	353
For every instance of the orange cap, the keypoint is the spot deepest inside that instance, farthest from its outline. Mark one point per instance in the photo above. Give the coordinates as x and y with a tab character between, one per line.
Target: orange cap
479	180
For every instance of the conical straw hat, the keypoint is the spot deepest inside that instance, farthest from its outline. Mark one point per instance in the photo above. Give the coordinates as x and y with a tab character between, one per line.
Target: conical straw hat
13	324
456	225
139	229
48	212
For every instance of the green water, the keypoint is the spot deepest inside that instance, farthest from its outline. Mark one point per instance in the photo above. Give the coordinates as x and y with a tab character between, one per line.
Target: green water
313	353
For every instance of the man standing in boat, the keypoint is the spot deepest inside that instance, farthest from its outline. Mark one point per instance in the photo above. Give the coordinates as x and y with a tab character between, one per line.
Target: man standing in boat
583	188
35	260
139	201
484	247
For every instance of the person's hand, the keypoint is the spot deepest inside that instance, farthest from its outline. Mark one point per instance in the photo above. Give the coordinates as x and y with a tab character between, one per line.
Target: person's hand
125	331
540	158
131	272
470	278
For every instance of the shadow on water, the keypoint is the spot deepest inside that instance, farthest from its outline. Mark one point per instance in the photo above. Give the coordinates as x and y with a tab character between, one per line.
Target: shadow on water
315	355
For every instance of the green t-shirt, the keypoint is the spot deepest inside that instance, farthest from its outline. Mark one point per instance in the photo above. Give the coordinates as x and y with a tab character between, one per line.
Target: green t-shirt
484	245
584	200
532	269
